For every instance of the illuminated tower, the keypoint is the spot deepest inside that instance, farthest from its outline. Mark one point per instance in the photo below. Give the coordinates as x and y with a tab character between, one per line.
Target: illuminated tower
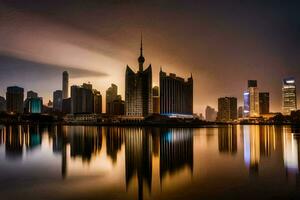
289	97
65	85
251	100
138	89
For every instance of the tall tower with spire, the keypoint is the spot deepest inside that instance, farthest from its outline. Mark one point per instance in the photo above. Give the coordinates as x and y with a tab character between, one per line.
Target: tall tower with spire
138	89
141	59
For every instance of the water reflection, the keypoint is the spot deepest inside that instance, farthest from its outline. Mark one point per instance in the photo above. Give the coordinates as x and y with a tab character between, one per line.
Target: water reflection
149	162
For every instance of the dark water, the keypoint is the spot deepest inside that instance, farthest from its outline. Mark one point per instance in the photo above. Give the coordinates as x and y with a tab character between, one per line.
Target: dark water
81	162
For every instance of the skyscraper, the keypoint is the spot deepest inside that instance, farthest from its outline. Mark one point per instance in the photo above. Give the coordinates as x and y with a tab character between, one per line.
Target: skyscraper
240	112
156	100
97	98
289	96
14	99
82	99
251	100
210	114
111	95
35	105
227	109
2	104
57	101
176	94
138	89
31	94
65	85
264	103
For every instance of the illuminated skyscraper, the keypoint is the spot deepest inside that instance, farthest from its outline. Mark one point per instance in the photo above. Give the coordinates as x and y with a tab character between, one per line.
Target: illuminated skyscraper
57	101
14	99
176	94
289	96
35	105
138	89
251	100
227	109
65	85
264	103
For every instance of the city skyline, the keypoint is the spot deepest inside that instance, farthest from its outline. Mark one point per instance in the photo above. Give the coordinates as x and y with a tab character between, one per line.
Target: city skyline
208	49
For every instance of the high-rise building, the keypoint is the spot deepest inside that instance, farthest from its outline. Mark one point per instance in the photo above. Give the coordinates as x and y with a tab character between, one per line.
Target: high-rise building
210	114
138	89
2	104
111	95
176	94
246	104
57	101
264	103
251	100
240	112
227	109
156	99
14	99
35	105
289	96
82	99
32	94
66	106
118	107
97	98
65	85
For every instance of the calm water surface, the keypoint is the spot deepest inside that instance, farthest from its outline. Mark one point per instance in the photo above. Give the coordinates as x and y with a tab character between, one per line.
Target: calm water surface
85	162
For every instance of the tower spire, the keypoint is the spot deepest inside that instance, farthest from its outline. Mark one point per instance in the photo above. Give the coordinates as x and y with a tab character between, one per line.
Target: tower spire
141	59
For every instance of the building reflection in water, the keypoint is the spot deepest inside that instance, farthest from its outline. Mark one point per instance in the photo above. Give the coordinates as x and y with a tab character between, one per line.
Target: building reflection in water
138	158
259	141
176	150
114	141
227	139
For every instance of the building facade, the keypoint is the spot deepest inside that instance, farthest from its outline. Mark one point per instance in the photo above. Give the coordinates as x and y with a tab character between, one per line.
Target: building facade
14	99
57	101
156	100
264	103
82	99
289	96
176	94
251	100
65	85
138	89
111	95
210	114
227	109
97	98
35	105
2	104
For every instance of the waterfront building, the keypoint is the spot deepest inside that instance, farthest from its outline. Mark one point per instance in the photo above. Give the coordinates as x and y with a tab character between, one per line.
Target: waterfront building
2	104
111	95
240	112
65	85
118	107
227	109
32	94
66	106
210	114
35	105
138	89
251	100
97	98
82	99
57	101
156	100
14	99
289	96
176	94
264	103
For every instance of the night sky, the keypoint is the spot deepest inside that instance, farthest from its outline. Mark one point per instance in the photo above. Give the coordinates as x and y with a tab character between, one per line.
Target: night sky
222	43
